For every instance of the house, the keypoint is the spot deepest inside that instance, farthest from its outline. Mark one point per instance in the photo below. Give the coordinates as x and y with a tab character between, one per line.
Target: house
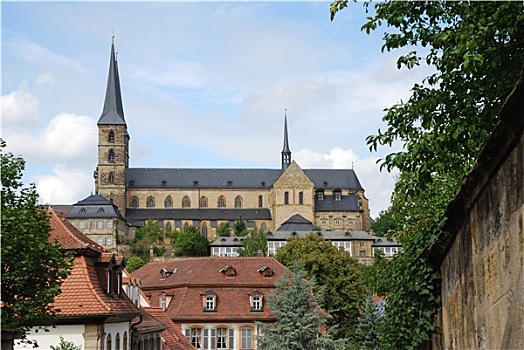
333	199
215	301
94	312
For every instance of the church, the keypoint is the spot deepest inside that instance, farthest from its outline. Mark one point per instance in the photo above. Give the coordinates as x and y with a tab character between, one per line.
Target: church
331	199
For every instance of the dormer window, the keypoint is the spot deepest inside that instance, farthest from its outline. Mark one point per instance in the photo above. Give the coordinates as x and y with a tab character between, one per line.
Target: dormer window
162	301
266	271
337	194
320	195
101	210
209	300
229	271
255	301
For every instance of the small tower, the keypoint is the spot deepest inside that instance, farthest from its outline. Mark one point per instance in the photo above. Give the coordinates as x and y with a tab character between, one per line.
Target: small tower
113	141
286	153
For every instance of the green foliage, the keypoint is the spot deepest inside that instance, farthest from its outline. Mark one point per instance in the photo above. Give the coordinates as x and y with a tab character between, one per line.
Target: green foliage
255	241
368	328
239	227
384	225
147	237
171	233
477	52
32	267
224	230
339	277
299	317
191	243
134	263
66	345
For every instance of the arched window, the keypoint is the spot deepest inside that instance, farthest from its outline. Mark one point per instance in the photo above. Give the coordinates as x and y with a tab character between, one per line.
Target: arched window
203	230
301	197
124	341
169	227
117	341
286	197
186	227
111	136
150	202
238	202
202	202
221	202
186	202
111	156
134	202
260	201
111	177
108	342
168	202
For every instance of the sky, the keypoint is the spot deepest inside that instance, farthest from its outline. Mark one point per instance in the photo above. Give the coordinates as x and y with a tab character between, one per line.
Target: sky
204	85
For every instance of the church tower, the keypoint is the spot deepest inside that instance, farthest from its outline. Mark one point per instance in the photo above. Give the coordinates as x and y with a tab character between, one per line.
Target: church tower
113	141
286	153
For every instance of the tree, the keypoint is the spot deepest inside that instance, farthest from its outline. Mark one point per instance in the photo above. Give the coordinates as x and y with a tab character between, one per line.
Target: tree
224	230
146	238
339	277
134	263
191	243
240	227
254	241
368	327
300	318
66	345
384	225
33	268
477	52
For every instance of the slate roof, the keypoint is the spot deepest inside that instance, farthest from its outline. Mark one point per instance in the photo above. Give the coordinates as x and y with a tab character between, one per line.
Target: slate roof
227	242
172	337
385	242
198	214
113	112
193	277
296	223
346	203
327	235
93	206
234	178
82	293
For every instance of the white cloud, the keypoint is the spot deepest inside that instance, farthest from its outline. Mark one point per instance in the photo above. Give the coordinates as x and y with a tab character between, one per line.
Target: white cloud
64	186
19	109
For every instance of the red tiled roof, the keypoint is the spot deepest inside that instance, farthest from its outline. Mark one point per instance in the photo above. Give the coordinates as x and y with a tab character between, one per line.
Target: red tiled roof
196	276
68	236
82	293
172	337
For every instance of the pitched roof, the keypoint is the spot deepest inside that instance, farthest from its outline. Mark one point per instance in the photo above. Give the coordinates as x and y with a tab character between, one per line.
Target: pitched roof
172	337
82	293
93	206
234	178
193	277
68	236
327	235
350	202
296	223
113	112
198	214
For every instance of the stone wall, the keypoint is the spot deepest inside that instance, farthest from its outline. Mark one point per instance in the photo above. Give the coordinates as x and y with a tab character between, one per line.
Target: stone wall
481	248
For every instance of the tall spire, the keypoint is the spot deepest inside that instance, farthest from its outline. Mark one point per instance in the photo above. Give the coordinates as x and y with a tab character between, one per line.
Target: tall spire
113	112
286	153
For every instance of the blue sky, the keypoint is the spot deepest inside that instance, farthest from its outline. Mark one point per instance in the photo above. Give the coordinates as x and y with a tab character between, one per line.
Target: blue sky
204	84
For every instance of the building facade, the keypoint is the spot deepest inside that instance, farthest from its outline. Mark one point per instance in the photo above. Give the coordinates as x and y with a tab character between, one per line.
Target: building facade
204	198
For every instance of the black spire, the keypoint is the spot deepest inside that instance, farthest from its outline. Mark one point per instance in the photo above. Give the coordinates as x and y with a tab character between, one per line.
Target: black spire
113	112
286	153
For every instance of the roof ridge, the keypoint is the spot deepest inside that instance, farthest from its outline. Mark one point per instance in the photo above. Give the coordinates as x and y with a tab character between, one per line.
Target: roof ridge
61	221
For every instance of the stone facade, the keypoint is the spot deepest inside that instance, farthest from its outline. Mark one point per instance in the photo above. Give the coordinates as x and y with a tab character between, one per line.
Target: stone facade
481	248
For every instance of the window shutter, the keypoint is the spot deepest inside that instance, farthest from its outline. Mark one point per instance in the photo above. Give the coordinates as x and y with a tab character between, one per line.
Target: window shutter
213	338
206	335
231	338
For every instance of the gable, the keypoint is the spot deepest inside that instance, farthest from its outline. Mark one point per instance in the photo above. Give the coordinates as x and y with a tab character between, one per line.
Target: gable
293	177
